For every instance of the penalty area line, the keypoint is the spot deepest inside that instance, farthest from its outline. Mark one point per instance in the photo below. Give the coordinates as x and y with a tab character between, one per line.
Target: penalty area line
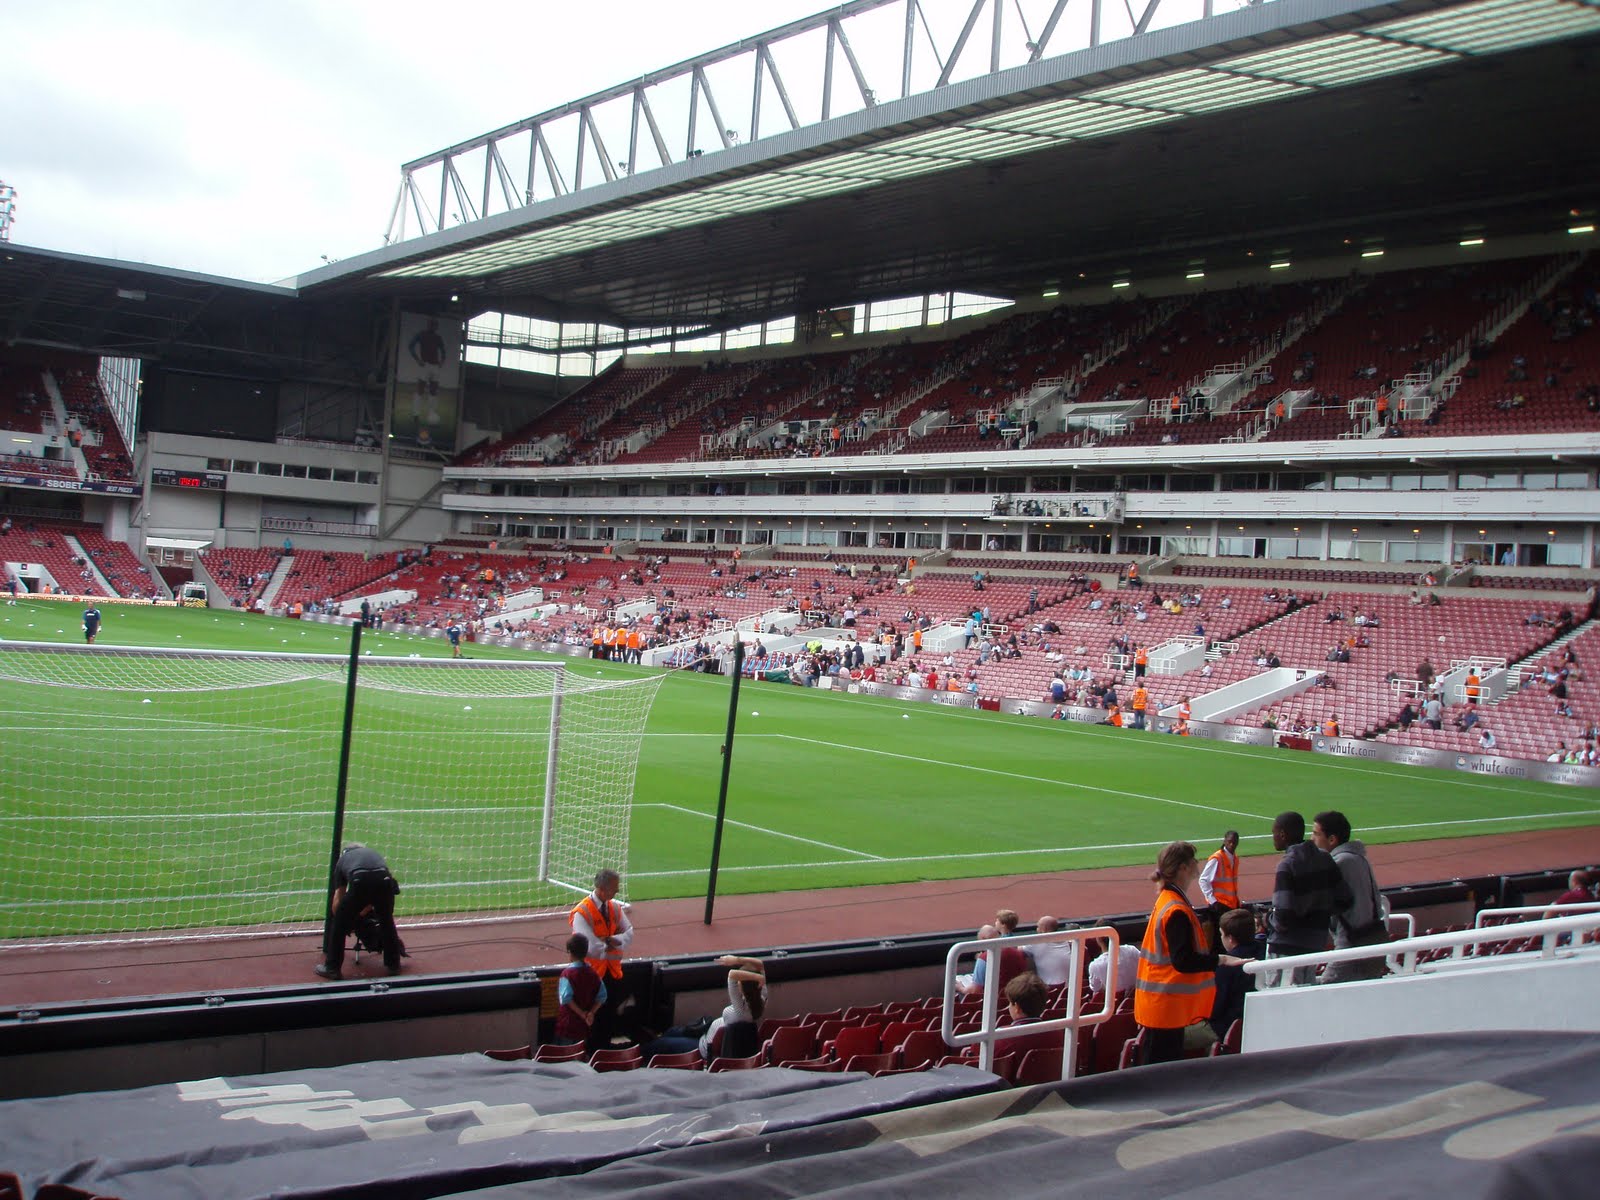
793	837
1065	783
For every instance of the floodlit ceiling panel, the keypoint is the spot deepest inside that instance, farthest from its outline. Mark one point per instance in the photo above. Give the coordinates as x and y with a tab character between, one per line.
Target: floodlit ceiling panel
1336	61
1196	91
1496	25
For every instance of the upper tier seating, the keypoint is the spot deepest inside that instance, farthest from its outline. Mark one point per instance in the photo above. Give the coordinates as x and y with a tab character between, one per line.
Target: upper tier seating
577	415
1542	376
85	402
23	404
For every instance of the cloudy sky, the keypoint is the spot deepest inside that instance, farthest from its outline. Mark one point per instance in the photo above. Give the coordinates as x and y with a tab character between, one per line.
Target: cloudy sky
248	138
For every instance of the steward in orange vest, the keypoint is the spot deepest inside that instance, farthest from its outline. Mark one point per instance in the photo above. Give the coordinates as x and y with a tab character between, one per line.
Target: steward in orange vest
1176	983
1472	687
605	923
1139	702
1219	878
1141	660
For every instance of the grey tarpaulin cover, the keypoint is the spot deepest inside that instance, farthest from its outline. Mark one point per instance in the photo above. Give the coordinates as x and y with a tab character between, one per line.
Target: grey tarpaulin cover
418	1127
1468	1116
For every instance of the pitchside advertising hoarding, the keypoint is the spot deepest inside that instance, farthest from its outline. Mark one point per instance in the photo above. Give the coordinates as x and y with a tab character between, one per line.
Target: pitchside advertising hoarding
427	383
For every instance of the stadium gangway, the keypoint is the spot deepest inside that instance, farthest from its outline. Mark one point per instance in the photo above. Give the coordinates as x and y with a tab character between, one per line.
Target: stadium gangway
1404	957
985	1036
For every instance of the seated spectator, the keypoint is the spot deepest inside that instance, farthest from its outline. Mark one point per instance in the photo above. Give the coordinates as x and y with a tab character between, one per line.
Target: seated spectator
1408	716
1486	740
1467	720
1237	930
1052	961
1013	962
738	1024
1100	967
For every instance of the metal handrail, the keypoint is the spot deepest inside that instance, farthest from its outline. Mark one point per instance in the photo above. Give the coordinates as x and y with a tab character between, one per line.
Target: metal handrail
1540	909
1403	956
988	1033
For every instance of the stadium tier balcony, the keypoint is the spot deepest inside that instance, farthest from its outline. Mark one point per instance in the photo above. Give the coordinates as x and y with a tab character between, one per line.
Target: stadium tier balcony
1224	569
118	563
317	575
45	543
1460	627
242	574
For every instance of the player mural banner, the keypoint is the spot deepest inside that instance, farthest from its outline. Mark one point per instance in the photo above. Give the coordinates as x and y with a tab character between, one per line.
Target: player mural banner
427	383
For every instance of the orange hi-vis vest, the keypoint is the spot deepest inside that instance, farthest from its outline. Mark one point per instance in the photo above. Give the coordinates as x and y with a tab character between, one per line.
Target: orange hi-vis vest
604	924
1183	712
1225	883
1163	996
1141	657
1140	699
1330	728
1472	682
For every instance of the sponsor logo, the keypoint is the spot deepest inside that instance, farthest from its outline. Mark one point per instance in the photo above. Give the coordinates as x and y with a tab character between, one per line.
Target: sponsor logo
1498	766
1346	749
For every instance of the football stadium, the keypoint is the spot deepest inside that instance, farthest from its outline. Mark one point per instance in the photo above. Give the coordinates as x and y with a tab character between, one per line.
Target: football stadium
1076	497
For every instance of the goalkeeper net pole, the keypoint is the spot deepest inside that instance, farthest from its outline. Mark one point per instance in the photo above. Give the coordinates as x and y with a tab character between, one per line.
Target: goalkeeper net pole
171	793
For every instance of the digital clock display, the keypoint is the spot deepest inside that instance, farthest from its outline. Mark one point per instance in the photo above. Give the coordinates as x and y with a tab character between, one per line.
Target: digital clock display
166	477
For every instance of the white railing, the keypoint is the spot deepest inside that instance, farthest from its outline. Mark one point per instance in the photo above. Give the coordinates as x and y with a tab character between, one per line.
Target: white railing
1529	910
1405	957
988	1032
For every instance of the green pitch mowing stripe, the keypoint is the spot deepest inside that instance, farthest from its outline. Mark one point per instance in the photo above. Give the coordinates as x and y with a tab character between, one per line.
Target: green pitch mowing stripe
825	790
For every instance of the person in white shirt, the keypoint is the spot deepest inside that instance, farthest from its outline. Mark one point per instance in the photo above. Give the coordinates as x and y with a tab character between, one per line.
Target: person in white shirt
1052	961
1127	968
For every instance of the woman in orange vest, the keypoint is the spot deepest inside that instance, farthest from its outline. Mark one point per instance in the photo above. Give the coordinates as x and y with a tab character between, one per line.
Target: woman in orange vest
1176	983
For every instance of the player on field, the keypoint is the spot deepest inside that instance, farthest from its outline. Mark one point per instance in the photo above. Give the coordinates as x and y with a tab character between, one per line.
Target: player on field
91	624
453	632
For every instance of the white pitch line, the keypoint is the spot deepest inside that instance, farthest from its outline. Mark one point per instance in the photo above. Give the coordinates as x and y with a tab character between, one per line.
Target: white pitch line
1005	854
794	837
1087	787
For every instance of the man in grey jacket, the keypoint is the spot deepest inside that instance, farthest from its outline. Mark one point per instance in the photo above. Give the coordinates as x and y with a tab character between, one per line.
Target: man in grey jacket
1362	922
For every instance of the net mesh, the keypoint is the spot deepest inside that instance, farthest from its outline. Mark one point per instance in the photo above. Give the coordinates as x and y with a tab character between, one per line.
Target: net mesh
175	793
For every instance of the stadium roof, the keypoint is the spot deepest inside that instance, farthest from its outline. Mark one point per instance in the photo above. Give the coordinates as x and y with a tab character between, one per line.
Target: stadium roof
111	307
1298	128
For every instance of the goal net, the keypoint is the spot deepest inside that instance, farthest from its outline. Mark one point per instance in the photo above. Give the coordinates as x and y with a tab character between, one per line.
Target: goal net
174	793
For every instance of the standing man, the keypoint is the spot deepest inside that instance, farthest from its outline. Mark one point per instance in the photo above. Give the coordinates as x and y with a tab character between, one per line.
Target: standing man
363	887
1361	922
453	632
1307	891
91	623
1219	878
601	919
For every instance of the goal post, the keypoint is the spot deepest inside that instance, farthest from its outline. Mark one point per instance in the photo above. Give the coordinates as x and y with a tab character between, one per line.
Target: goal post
173	793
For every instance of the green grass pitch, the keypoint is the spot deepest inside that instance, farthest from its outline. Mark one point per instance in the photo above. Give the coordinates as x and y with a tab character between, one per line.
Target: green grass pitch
826	790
